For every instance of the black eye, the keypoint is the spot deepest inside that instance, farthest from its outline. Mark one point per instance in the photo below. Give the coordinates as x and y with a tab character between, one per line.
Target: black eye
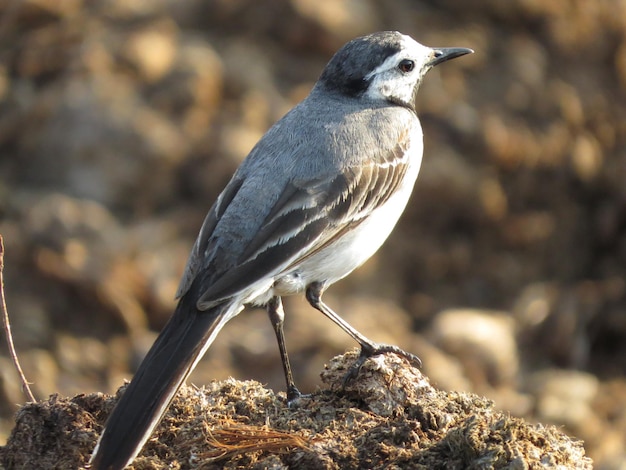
406	65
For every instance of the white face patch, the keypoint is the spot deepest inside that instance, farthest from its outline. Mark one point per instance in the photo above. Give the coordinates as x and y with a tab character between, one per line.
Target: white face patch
389	83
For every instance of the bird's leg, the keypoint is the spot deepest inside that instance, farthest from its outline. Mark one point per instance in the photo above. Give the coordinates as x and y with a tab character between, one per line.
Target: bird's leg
277	318
368	347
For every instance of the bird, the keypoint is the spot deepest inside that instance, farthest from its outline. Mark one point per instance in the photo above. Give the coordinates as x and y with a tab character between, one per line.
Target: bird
314	199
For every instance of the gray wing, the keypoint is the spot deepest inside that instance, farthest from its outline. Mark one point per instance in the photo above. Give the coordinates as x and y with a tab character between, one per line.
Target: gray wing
308	216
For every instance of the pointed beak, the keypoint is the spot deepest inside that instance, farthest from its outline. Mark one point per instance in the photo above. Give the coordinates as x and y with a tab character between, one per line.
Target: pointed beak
441	54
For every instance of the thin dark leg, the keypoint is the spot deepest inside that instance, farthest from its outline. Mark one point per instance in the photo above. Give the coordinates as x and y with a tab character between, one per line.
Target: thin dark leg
277	318
368	347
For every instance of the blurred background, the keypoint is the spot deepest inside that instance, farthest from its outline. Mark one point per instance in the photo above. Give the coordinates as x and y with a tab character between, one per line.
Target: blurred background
121	121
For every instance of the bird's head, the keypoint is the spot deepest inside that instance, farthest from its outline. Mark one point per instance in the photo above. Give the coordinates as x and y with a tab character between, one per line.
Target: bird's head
387	66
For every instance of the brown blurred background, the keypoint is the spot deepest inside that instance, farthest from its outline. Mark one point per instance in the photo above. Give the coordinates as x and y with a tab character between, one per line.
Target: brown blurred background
120	122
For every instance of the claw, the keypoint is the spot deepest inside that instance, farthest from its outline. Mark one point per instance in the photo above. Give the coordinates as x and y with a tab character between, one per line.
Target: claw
294	396
368	351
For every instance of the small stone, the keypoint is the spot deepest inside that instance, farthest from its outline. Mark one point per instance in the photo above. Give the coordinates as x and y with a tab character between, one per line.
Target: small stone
483	341
564	396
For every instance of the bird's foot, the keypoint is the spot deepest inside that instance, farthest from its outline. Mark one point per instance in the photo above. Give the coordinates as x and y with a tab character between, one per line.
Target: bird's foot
294	396
375	349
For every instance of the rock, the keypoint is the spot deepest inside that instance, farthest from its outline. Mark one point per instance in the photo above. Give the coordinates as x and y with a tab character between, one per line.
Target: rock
344	19
483	341
153	51
564	396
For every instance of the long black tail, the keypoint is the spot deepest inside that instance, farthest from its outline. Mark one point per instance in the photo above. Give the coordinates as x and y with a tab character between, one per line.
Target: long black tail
171	359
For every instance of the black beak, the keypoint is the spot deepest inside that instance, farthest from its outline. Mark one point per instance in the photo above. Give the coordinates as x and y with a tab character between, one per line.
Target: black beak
441	54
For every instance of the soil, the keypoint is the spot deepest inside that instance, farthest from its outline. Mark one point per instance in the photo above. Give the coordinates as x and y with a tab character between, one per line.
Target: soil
390	417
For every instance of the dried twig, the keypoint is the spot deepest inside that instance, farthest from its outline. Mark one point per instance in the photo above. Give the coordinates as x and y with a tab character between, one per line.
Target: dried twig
241	439
7	330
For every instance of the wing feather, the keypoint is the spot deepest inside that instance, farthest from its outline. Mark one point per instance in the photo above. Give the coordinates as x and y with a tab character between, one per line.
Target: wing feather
309	216
196	257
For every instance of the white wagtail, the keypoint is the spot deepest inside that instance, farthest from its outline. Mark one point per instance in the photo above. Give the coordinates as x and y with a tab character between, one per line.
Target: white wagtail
316	197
